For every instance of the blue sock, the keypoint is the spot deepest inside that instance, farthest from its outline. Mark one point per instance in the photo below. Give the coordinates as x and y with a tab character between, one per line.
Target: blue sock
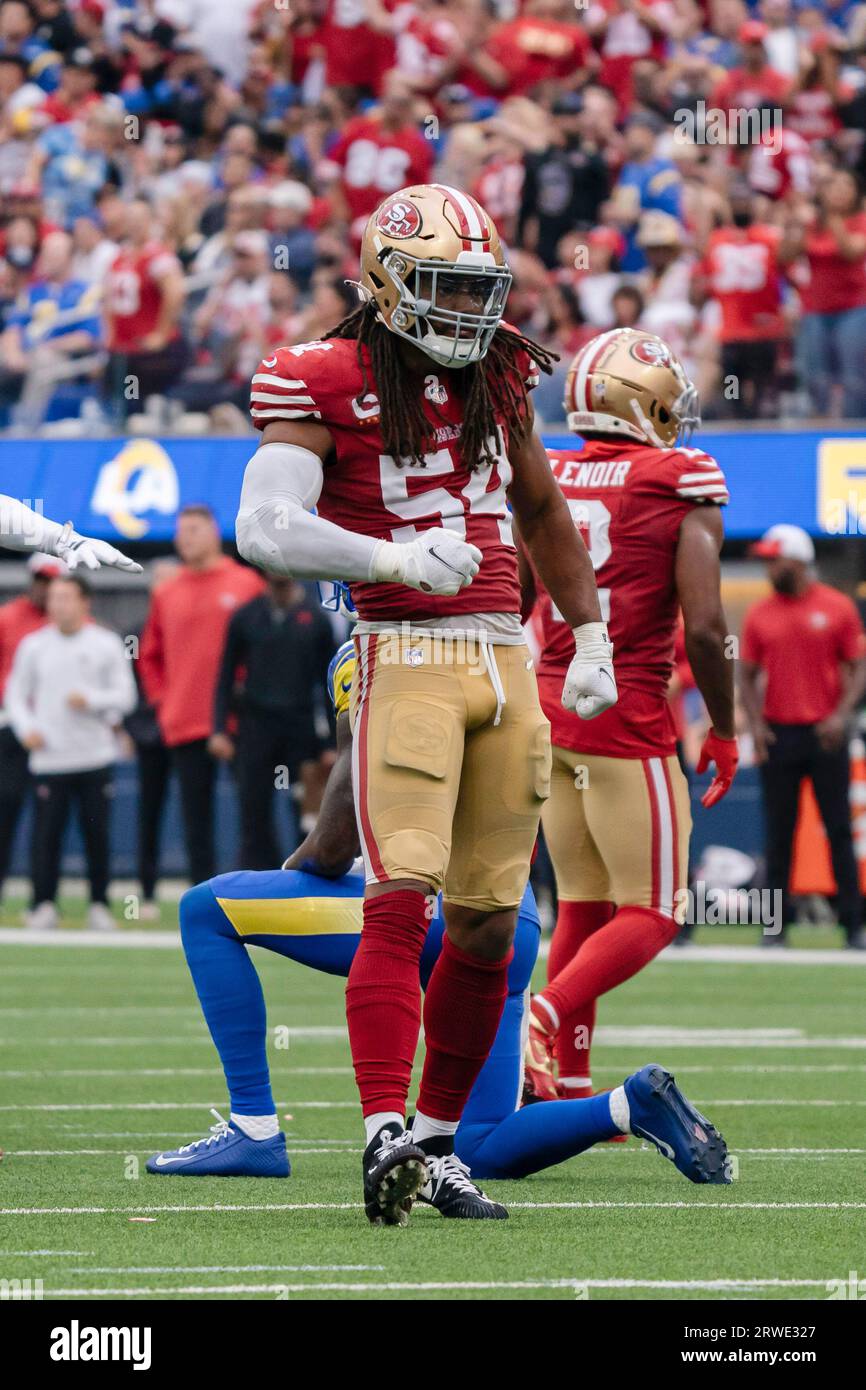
536	1137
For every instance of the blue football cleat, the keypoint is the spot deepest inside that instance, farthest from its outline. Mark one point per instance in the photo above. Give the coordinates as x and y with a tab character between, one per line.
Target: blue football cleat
659	1112
225	1153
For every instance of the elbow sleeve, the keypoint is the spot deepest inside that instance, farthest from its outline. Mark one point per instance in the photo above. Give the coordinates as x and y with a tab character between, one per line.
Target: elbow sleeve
276	531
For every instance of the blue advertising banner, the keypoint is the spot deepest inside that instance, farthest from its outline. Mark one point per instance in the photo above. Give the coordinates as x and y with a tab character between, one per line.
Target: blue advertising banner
132	488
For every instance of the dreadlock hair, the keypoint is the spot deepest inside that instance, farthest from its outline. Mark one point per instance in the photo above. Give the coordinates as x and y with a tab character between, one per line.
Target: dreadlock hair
493	386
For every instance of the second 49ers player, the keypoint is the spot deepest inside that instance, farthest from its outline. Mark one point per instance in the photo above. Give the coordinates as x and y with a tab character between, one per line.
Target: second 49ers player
617	822
410	427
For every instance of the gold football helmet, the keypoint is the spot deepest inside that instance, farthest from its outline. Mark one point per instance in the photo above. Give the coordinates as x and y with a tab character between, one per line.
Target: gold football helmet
626	382
428	252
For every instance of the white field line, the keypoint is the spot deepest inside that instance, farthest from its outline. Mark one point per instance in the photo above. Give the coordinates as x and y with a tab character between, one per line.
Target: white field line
220	1207
747	1069
228	1269
40	1254
599	1151
127	1153
124	937
352	1104
645	1036
22	1073
430	1286
157	938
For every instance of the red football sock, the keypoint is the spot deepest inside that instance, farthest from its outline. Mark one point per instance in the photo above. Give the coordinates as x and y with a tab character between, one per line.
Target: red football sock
383	998
611	955
462	1008
575	923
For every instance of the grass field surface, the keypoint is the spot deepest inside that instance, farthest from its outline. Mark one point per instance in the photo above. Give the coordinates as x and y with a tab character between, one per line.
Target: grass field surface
105	1059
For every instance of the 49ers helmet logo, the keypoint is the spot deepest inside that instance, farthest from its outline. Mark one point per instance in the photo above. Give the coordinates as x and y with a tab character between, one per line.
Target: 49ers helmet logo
652	352
398	219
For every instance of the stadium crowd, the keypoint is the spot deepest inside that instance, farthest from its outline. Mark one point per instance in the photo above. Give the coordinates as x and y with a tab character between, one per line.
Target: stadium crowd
184	182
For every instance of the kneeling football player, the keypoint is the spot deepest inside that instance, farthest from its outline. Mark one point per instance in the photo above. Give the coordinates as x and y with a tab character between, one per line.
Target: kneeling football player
311	911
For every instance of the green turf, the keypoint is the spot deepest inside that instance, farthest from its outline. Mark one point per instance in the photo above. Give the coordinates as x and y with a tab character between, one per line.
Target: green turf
99	1027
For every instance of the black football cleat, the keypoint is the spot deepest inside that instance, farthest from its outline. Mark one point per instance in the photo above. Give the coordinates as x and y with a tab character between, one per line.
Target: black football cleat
450	1189
395	1169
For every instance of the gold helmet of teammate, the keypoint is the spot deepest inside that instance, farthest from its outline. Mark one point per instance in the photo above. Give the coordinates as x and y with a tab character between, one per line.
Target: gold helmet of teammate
629	383
432	261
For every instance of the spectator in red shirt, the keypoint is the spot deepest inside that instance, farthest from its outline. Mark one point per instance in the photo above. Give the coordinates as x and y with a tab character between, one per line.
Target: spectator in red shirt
543	45
180	655
144	296
754	83
380	153
831	344
76	90
805	645
18	618
740	272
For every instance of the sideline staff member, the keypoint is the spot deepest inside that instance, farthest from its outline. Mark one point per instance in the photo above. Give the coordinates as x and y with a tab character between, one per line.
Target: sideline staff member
807	642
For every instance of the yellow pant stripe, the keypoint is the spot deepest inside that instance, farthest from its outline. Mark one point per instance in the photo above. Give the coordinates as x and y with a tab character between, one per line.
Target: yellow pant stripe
294	916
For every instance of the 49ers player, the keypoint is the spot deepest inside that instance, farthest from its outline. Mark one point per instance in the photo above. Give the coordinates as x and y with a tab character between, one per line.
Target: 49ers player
410	428
617	822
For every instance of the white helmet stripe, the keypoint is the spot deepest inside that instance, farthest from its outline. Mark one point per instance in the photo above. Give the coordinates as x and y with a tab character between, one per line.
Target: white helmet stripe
467	208
587	357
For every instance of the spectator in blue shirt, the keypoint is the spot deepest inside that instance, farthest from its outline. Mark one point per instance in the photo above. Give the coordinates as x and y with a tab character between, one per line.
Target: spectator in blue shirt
54	324
646	184
18	36
74	163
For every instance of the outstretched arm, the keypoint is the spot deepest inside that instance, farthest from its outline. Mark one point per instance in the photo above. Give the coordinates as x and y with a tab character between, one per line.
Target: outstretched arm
21	528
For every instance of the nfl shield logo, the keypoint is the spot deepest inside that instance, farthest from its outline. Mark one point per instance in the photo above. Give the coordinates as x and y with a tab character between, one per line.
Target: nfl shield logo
413	656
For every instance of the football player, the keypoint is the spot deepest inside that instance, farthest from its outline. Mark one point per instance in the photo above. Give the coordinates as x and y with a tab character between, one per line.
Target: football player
617	822
21	528
309	915
410	429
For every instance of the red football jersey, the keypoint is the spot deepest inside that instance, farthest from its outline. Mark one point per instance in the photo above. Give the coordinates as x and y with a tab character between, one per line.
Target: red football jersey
376	161
533	49
780	164
355	52
742	272
628	501
133	295
368	491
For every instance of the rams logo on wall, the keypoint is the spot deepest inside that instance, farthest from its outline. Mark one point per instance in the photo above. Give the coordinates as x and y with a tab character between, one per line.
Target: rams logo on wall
140	479
842	486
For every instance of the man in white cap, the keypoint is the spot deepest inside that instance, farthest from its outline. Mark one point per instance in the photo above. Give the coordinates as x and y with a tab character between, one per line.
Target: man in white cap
805	645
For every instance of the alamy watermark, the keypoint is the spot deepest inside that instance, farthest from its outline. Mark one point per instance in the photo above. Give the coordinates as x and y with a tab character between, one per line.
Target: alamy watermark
737	125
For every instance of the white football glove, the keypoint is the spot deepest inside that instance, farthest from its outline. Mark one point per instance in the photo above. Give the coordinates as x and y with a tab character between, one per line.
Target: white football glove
75	550
590	686
438	562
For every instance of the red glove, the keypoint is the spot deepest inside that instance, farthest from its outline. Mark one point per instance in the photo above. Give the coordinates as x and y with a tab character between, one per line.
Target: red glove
725	753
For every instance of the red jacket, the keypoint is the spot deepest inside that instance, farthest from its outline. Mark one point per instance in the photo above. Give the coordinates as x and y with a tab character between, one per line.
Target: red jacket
17	618
182	644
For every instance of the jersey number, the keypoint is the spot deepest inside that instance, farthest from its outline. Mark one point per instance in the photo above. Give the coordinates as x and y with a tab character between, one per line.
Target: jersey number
452	508
592	520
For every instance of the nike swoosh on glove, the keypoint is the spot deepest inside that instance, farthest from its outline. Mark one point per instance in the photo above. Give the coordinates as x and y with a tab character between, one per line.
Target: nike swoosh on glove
438	562
75	550
725	753
590	685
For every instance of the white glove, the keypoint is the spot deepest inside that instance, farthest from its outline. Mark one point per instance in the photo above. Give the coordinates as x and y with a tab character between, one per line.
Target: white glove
75	550
590	687
438	562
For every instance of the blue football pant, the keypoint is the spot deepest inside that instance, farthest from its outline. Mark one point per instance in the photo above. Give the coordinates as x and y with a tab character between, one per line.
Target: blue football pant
494	1138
